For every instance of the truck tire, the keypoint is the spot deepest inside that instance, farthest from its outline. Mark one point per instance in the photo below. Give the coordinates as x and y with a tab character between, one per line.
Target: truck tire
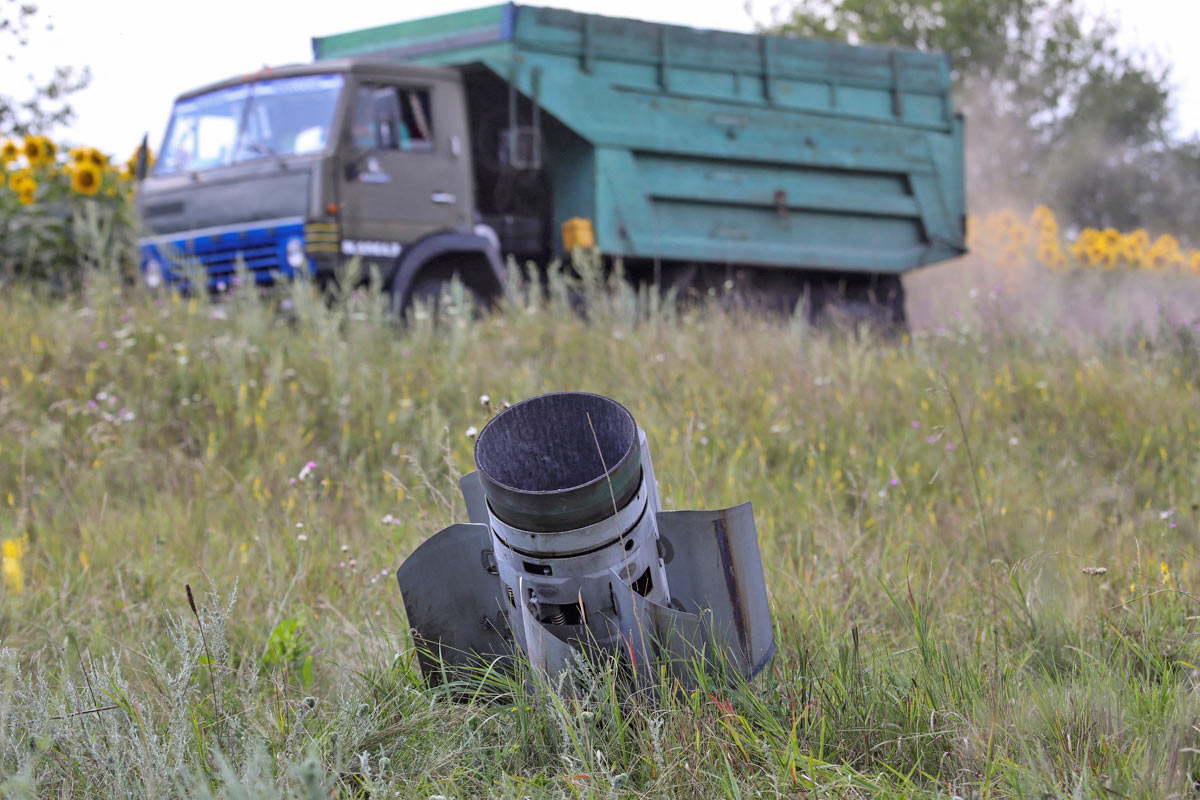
429	266
433	290
877	301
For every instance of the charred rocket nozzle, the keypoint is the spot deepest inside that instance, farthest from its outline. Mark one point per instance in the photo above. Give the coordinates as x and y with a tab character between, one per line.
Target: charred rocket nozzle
559	461
568	549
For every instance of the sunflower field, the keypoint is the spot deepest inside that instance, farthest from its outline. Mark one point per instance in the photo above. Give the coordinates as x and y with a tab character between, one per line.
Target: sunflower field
61	210
1016	243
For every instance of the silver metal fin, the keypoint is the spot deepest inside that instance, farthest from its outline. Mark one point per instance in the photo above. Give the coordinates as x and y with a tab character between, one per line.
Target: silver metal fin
455	605
713	563
472	492
653	633
548	654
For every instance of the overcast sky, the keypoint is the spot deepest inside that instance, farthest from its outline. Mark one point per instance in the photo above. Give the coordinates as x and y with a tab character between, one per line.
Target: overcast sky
144	52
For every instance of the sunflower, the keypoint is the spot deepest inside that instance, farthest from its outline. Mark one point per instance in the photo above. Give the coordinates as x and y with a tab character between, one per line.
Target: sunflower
28	192
16	178
1048	252
9	151
97	158
85	179
79	155
37	150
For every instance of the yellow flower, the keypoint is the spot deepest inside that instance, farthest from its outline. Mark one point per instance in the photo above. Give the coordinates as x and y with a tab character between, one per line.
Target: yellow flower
11	553
17	178
85	179
1049	253
9	151
35	150
27	193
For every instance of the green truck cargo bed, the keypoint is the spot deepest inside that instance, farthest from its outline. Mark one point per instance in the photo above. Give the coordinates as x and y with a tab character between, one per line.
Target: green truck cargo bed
709	146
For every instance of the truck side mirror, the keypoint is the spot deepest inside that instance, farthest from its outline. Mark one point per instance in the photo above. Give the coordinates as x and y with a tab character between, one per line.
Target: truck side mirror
143	158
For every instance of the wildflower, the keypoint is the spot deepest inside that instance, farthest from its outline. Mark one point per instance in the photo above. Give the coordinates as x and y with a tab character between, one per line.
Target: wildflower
9	151
101	345
484	400
345	548
86	179
1013	441
1095	570
11	553
949	446
306	470
300	537
916	424
471	432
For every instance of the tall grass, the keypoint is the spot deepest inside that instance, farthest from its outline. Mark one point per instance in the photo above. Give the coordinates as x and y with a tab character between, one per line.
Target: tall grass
1020	624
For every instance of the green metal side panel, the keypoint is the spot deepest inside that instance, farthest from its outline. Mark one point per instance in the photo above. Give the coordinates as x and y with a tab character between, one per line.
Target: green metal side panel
722	147
447	31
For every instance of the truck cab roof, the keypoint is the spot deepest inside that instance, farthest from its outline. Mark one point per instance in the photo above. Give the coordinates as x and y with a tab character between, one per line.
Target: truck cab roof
367	67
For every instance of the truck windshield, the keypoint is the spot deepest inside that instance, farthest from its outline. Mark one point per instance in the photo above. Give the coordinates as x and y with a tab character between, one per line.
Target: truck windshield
263	119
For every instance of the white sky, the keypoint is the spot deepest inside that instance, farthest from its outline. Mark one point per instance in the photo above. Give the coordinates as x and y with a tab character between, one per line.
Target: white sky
144	52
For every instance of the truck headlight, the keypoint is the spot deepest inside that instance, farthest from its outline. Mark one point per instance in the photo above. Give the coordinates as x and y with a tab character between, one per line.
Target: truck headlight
296	257
154	273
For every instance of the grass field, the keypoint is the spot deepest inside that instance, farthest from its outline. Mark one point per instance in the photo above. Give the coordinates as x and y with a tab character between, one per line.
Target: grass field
979	543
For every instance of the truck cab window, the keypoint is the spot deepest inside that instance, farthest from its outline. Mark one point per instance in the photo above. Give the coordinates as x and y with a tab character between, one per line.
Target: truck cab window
392	118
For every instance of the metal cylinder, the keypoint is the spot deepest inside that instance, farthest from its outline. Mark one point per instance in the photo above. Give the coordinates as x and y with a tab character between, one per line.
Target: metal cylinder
559	461
569	508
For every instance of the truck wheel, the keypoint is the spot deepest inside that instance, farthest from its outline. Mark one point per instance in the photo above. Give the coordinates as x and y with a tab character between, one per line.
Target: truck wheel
878	302
434	291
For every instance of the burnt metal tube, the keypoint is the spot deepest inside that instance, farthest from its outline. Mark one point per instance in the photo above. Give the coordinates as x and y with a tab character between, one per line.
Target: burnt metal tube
544	468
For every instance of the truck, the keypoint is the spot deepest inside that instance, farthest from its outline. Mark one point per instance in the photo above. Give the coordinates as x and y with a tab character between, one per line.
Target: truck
700	160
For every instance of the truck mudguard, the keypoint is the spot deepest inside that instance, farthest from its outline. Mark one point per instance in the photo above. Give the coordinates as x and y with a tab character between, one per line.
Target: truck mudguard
481	266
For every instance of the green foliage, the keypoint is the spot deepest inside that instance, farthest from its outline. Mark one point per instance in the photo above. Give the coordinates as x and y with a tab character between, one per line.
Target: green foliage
288	647
47	106
61	235
1057	110
937	631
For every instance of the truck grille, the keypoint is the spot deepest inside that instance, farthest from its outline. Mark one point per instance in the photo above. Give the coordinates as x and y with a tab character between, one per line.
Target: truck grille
261	247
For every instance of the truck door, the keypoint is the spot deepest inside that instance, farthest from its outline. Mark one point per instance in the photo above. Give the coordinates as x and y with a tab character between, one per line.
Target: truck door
406	174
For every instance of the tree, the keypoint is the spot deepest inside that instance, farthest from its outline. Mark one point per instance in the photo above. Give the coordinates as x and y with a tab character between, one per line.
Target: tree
47	107
1056	111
